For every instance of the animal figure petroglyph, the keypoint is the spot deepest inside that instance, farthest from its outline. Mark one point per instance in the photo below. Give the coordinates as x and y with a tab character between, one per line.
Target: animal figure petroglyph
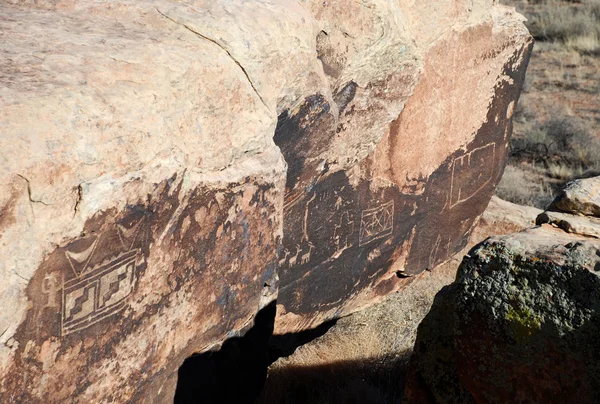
295	257
306	257
284	259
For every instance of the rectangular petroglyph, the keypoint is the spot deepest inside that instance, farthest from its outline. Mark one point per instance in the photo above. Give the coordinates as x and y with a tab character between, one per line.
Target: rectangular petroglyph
98	293
376	223
471	173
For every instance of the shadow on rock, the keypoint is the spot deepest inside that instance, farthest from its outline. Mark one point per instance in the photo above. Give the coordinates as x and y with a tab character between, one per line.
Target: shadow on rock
234	374
372	380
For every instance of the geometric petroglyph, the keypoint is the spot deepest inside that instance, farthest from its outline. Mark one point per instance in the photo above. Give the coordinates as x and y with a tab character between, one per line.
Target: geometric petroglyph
376	223
103	279
128	236
471	173
98	293
79	261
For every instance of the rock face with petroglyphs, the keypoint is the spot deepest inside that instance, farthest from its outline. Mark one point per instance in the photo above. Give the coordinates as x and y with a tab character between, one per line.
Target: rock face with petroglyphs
388	201
169	169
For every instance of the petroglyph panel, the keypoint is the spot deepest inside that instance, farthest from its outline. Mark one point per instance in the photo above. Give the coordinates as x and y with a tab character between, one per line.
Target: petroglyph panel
97	294
369	220
376	223
471	173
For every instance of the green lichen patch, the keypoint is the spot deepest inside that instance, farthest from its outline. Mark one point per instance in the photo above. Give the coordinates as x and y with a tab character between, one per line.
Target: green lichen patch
523	322
516	323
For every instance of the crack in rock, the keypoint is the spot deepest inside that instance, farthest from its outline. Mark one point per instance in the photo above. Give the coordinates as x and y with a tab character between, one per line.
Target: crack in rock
220	46
78	200
29	193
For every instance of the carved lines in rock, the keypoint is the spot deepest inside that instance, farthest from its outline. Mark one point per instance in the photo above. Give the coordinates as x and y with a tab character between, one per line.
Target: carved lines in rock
343	232
79	261
471	173
301	257
376	223
434	252
99	290
97	294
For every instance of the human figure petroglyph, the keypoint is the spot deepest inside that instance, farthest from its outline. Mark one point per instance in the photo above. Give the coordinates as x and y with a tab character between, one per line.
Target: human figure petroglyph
50	288
344	229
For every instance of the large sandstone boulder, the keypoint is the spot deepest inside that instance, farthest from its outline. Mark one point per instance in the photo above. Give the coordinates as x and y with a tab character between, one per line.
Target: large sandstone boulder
519	324
368	203
162	164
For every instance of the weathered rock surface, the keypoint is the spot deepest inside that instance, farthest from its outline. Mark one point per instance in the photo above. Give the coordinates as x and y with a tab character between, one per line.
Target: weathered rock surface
360	358
163	163
582	225
362	207
503	217
575	209
579	197
519	324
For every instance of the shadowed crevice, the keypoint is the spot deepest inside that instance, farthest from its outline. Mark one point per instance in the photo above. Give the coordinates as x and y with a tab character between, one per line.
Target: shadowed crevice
237	372
234	374
282	346
366	381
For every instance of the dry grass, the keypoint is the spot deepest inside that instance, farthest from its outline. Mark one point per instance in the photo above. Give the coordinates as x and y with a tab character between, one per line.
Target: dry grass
517	187
557	122
586	43
545	156
574	24
564	172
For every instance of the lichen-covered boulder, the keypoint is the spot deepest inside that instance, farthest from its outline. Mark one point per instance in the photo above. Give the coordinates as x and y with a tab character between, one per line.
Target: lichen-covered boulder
519	324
